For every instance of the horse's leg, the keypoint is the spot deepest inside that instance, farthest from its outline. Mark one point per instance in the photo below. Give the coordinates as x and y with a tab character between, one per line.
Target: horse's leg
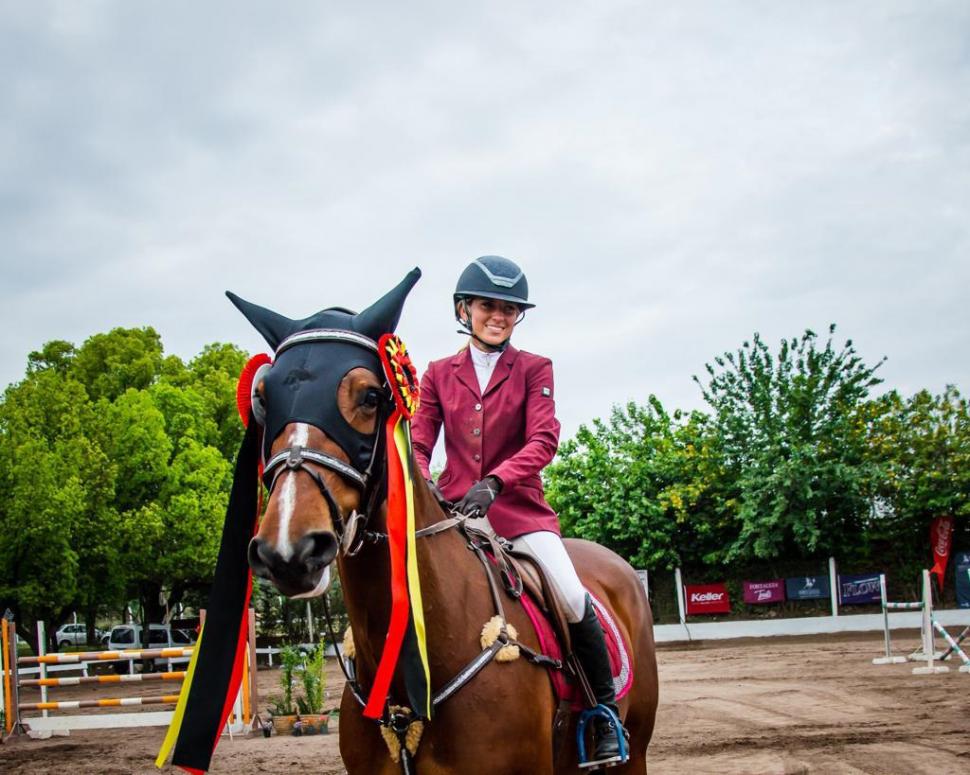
361	746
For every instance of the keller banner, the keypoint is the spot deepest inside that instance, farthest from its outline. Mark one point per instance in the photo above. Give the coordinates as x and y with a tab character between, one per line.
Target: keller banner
761	592
859	589
808	588
707	599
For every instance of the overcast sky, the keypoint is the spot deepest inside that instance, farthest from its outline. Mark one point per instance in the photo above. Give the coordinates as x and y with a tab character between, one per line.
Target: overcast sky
672	176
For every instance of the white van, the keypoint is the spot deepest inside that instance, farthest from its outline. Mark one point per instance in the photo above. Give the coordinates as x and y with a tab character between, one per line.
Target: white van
160	636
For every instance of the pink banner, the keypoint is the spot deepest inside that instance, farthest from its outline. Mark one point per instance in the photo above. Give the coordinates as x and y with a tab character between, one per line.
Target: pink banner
707	599
756	592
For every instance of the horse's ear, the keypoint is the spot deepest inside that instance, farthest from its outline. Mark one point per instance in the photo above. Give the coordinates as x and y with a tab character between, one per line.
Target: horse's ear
381	317
273	326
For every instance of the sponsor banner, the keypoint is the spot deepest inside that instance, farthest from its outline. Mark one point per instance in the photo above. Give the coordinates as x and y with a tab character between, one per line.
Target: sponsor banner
808	588
963	585
941	533
758	592
707	599
859	589
644	577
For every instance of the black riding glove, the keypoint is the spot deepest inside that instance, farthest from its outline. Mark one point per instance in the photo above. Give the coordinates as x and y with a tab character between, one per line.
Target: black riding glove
480	497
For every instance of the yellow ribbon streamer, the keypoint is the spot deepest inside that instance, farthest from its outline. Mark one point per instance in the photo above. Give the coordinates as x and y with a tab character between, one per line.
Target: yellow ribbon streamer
402	440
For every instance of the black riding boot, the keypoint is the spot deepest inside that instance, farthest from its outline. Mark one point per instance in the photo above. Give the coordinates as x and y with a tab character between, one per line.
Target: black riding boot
590	648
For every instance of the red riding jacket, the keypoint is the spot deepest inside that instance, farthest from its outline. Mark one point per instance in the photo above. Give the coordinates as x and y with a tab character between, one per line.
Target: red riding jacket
510	432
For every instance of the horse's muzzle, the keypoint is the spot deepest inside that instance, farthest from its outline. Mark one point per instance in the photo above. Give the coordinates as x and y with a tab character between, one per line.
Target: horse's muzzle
301	572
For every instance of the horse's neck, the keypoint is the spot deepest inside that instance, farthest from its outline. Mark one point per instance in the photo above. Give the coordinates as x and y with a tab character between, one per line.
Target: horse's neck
444	564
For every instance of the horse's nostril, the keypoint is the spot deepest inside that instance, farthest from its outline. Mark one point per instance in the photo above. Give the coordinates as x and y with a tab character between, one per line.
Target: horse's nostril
260	557
316	550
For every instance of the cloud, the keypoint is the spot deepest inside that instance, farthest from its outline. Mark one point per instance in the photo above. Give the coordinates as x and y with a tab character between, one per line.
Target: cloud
673	178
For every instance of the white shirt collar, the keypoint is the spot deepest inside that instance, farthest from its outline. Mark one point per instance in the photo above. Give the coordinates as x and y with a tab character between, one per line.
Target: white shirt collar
484	365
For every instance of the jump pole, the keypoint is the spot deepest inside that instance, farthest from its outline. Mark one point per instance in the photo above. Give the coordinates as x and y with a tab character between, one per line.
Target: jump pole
7	673
927	631
889	659
954	647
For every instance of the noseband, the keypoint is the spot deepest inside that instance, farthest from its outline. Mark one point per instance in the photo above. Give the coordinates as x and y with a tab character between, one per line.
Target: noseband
297	458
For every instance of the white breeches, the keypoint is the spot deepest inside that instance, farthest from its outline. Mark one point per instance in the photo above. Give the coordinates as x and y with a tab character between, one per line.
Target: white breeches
548	547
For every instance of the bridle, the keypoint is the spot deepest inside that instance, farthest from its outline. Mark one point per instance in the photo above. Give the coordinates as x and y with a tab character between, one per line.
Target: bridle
351	531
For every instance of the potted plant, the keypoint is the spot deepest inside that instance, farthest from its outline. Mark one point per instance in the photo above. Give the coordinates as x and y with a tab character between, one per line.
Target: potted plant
301	714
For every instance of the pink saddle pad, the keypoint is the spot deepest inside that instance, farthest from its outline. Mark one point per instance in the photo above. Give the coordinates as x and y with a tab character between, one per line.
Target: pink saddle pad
618	650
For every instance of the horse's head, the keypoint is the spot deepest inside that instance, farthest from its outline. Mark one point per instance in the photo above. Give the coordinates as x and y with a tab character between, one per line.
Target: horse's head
320	402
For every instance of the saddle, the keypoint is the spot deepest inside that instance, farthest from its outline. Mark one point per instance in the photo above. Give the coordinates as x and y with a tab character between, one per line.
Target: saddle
522	572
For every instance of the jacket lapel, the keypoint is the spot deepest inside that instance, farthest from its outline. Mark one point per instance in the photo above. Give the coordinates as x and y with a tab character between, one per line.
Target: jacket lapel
465	371
502	369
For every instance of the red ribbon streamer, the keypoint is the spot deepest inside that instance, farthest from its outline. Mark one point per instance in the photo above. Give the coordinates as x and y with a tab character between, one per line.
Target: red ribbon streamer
397	516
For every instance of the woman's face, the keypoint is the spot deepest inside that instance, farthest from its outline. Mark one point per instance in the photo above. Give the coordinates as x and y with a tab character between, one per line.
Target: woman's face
492	320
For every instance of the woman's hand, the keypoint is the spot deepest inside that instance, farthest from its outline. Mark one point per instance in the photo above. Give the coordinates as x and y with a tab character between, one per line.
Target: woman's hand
480	497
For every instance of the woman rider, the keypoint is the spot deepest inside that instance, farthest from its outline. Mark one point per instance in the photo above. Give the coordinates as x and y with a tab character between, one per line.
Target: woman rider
498	409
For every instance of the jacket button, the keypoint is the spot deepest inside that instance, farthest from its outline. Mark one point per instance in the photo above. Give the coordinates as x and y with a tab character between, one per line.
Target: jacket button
478	407
477	432
477	456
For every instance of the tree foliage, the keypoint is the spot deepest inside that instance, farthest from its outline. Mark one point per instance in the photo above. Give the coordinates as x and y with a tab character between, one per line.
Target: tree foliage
646	483
794	460
115	464
790	429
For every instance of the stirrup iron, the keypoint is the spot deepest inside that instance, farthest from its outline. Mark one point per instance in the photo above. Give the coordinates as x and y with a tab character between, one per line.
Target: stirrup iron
603	712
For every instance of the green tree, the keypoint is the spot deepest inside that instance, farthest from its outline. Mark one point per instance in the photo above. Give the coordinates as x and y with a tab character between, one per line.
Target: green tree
57	513
792	438
646	484
123	359
116	466
922	445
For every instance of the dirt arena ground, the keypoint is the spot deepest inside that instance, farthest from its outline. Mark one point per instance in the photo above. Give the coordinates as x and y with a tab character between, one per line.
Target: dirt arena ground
779	706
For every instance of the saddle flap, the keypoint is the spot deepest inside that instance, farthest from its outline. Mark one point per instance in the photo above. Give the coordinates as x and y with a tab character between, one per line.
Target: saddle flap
543	589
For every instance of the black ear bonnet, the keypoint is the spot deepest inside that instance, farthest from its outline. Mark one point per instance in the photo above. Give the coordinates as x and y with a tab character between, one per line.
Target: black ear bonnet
301	385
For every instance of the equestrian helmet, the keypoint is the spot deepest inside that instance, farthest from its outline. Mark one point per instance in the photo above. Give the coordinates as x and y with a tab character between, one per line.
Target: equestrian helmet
493	277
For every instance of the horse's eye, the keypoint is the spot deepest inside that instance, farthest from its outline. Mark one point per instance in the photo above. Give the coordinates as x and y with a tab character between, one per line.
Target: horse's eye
372	398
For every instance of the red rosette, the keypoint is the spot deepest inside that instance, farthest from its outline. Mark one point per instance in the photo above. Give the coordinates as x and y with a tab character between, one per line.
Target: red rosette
400	373
244	388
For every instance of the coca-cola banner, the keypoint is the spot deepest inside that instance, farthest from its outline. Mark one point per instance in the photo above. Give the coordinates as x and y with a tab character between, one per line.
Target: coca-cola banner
758	592
941	533
859	589
807	588
707	599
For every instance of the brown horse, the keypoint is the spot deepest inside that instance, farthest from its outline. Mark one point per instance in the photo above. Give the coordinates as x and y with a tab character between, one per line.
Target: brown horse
502	720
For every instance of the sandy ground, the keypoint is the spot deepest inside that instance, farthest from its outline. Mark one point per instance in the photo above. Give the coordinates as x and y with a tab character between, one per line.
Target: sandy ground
784	706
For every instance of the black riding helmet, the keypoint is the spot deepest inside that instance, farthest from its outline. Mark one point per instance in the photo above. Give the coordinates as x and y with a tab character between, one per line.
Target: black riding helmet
491	277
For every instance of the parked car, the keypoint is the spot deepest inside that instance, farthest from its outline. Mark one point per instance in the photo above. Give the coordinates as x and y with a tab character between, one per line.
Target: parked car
160	636
73	635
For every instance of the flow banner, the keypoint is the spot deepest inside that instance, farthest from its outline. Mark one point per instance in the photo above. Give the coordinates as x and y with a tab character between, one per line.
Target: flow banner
941	533
859	589
963	585
707	599
758	592
808	588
